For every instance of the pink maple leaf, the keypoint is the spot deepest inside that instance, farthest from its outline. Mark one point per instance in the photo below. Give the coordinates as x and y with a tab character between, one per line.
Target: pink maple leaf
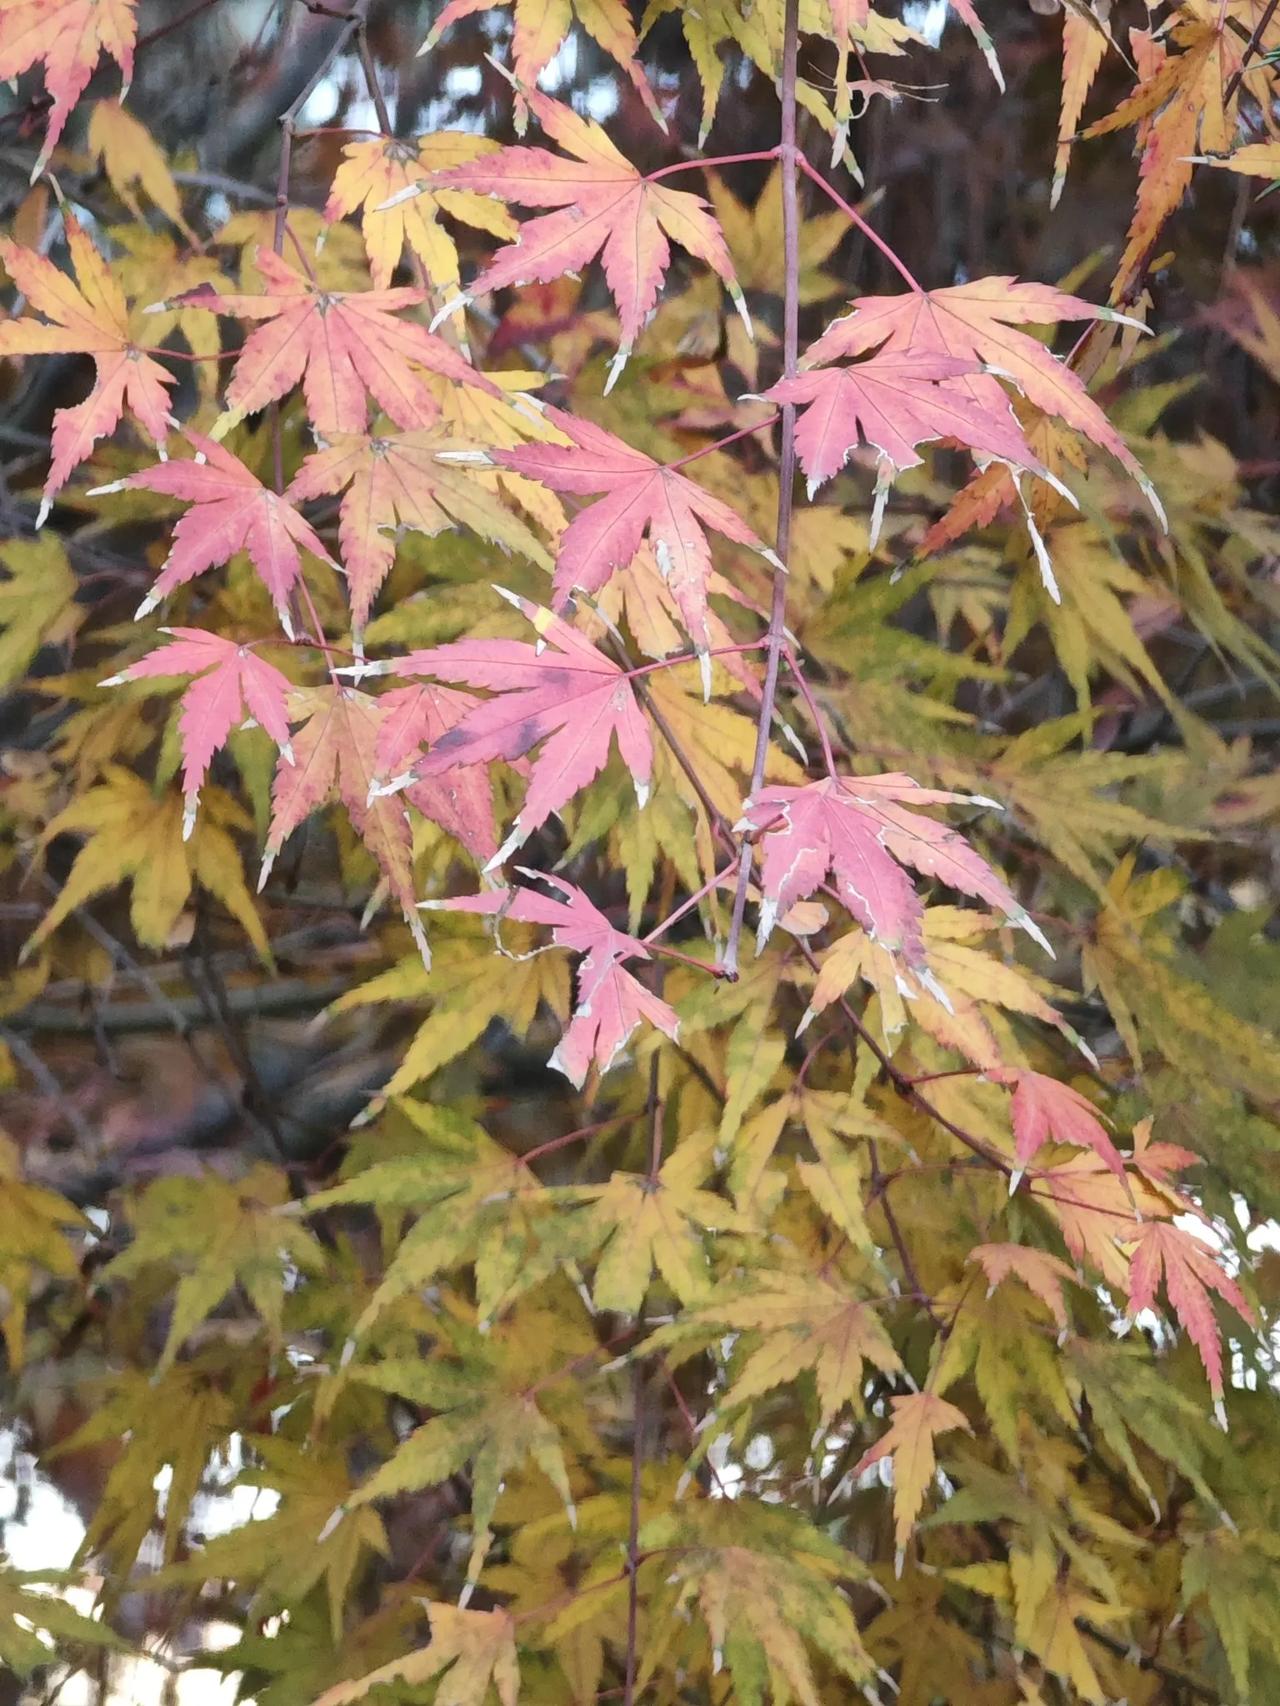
231	682
894	402
461	799
858	829
563	694
611	1002
231	511
1190	1274
1043	1109
642	498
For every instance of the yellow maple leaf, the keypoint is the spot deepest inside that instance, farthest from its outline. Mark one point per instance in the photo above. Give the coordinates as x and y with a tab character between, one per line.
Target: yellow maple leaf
135	836
388	182
130	157
918	1419
476	1651
37	601
34	1223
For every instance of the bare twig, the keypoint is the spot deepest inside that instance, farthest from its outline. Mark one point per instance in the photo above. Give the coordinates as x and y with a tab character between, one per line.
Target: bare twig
788	155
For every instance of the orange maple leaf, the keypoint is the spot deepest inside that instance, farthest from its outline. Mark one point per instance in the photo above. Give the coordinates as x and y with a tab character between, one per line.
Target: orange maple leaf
602	206
1180	112
334	752
92	319
398	480
69	36
1039	1270
340	344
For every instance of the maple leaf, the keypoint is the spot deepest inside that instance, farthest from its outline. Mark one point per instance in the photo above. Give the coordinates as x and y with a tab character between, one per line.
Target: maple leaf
563	692
1039	1270
88	317
918	1419
461	799
859	830
1254	160
34	1625
1044	1109
69	36
231	682
603	205
644	500
949	1001
764	1580
129	155
1180	111
339	343
894	402
466	995
37	602
137	836
486	1416
285	1554
334	752
804	1323
979	322
540	32
385	179
217	1236
475	1649
611	1001
34	1227
231	511
402	480
1084	47
1190	1274
659	1222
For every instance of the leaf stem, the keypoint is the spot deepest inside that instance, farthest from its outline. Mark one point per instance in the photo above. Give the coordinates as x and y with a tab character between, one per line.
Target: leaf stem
815	714
721	443
712	160
688	905
868	231
790	157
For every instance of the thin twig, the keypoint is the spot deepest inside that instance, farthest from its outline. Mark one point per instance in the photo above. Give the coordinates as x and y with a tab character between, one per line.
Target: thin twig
789	156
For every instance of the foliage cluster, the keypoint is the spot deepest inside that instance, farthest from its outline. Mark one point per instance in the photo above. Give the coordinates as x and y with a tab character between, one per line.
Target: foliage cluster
731	1156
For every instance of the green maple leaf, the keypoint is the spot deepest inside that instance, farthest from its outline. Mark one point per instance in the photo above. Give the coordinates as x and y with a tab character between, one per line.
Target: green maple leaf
218	1235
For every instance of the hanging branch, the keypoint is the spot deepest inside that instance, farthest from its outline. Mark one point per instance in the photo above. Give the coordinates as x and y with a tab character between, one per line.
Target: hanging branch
788	155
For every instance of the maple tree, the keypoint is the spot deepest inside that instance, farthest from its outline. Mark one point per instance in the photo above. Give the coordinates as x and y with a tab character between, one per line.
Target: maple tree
730	1156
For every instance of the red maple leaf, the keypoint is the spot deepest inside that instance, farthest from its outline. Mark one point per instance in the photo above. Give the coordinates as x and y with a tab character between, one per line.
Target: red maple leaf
894	402
563	693
858	829
88	317
1043	1109
977	322
643	499
69	36
611	1002
1190	1274
460	800
341	344
231	682
603	206
398	480
231	511
333	752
